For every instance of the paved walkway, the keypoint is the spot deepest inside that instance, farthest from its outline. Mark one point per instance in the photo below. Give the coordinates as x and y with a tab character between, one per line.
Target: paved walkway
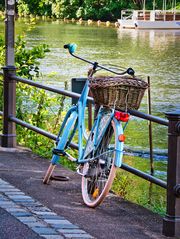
29	209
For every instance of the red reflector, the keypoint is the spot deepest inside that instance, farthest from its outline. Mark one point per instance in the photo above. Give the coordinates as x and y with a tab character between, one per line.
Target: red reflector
121	137
121	116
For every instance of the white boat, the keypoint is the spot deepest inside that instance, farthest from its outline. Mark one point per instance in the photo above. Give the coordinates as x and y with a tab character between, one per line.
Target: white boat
152	19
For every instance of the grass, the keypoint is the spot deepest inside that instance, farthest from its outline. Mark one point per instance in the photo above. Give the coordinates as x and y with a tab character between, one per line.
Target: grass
138	190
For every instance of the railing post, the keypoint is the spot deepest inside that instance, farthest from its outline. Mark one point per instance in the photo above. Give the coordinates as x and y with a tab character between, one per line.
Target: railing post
171	222
9	131
9	127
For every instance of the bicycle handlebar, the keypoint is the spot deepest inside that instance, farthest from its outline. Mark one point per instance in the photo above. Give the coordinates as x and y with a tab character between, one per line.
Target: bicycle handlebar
72	48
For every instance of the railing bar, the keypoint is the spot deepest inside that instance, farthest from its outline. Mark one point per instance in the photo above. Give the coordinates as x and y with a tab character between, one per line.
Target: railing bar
34	128
149	117
75	146
49	88
76	95
38	130
145	176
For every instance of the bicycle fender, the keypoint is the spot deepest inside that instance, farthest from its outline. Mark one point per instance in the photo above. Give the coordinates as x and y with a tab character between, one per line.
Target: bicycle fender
118	129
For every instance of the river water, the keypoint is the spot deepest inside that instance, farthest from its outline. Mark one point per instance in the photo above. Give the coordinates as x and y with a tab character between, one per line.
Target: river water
154	53
149	52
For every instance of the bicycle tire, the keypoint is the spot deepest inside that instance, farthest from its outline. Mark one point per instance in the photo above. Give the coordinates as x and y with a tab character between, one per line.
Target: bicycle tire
98	174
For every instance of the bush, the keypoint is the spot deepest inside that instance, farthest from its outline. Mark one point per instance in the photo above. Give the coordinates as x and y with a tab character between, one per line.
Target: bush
33	105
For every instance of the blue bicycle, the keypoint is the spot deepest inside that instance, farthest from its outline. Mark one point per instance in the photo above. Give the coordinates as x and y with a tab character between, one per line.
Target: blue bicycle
102	153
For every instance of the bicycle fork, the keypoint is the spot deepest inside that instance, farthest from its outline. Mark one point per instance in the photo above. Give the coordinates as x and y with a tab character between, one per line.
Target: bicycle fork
119	139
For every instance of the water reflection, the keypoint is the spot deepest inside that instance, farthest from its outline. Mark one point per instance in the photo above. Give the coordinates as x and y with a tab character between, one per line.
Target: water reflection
157	54
156	38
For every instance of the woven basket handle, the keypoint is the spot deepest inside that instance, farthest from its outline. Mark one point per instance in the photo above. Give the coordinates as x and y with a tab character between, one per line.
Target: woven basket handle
91	72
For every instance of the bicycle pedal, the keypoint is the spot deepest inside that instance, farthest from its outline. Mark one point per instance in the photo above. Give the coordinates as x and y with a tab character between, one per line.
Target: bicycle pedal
102	161
80	170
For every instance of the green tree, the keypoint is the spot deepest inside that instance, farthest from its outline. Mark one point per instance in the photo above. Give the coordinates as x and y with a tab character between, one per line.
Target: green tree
2	5
93	9
65	8
105	9
35	7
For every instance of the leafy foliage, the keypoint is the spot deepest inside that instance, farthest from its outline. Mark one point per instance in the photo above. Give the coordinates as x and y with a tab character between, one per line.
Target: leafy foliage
34	106
138	190
27	59
93	9
35	7
178	6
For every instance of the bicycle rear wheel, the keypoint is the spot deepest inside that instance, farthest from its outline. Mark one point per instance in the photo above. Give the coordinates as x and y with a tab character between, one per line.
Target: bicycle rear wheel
99	171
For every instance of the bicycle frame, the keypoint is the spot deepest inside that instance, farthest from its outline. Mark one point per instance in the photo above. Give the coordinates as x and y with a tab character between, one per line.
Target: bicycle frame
75	120
81	119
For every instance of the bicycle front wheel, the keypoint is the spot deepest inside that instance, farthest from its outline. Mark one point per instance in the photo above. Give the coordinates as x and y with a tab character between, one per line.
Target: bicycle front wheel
99	171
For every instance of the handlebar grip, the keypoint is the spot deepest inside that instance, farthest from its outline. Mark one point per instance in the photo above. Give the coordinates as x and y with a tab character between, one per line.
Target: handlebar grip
130	71
66	46
71	47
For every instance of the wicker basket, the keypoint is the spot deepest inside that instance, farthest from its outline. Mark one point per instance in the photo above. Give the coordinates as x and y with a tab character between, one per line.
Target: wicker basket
118	92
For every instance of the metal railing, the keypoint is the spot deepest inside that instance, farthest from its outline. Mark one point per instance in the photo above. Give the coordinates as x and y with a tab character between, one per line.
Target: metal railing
76	95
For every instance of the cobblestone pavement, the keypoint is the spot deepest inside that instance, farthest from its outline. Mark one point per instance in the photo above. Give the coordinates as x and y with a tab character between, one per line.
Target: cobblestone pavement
39	218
